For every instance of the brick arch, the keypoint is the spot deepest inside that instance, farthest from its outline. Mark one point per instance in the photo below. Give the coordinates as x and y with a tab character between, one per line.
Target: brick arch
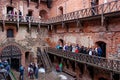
43	14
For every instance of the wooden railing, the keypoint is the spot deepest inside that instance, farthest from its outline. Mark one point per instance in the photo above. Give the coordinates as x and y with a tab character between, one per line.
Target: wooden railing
109	64
96	10
19	18
102	9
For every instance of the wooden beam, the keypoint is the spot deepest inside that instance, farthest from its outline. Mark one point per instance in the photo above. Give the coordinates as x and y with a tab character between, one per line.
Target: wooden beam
29	25
38	3
17	26
3	27
106	24
28	3
10	2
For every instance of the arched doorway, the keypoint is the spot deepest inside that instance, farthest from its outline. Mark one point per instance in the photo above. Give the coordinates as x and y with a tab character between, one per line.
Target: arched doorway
102	45
9	9
43	14
12	54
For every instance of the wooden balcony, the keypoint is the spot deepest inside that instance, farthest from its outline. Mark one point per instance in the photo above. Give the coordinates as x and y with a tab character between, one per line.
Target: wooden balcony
107	64
110	9
101	11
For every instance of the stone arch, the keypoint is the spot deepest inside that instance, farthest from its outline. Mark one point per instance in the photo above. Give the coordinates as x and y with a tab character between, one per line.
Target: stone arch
12	54
21	49
102	45
43	14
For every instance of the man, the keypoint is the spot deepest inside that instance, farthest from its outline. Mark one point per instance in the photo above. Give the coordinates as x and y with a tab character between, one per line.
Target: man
99	51
21	69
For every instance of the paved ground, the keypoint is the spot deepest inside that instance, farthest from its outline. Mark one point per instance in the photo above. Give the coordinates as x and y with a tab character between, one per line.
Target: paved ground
48	76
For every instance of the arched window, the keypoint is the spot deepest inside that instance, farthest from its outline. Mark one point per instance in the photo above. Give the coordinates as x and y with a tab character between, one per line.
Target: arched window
10	33
61	10
43	14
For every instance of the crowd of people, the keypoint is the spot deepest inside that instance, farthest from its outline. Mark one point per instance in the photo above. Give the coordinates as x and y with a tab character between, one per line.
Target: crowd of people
97	51
33	71
5	67
12	15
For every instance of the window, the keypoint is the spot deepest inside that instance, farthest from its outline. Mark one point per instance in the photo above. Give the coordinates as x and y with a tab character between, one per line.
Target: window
61	10
10	33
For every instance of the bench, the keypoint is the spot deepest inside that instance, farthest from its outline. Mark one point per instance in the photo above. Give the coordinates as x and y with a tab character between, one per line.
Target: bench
69	72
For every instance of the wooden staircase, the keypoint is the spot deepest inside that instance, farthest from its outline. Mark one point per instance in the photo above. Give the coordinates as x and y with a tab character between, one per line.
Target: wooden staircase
43	56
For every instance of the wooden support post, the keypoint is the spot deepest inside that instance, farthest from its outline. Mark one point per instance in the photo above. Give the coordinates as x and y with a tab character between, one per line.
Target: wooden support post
29	25
48	26
28	3
79	25
38	3
51	27
3	27
106	23
3	22
63	24
38	28
102	20
10	2
18	22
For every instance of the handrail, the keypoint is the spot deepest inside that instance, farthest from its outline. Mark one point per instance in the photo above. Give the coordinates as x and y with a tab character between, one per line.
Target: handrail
101	9
109	64
87	12
13	75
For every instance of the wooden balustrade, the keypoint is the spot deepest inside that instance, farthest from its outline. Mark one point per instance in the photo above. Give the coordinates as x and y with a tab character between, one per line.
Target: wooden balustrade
109	7
102	9
109	64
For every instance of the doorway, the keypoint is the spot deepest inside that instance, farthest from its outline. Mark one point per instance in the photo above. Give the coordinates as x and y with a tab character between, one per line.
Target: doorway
30	12
9	9
15	63
102	45
10	33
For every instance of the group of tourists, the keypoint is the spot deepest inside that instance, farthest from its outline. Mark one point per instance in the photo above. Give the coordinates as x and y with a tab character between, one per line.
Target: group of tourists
5	67
12	15
32	71
97	51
